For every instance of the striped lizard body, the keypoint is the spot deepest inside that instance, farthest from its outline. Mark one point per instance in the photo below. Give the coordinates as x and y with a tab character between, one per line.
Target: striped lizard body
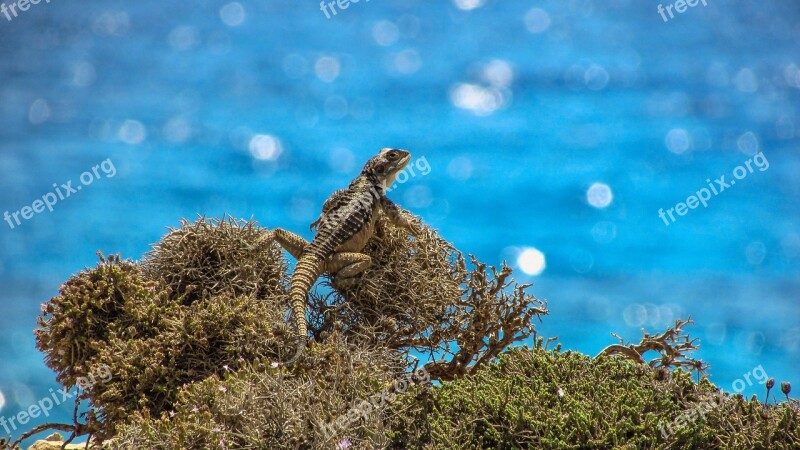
343	229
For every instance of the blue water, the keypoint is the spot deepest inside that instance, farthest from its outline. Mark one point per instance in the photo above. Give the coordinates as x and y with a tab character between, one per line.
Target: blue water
264	108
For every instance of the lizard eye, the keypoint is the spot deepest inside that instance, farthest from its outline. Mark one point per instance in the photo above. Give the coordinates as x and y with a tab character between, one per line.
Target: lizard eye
392	155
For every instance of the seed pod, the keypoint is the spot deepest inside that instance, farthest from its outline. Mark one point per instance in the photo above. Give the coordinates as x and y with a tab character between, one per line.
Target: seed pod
786	388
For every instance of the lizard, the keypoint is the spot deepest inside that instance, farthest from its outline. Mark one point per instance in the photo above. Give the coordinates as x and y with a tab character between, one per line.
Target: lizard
343	229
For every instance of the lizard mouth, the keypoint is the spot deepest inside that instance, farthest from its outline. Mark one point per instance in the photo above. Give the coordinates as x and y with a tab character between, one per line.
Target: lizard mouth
399	166
403	162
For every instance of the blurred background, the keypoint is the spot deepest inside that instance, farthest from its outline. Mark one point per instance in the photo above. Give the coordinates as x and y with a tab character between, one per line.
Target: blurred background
553	132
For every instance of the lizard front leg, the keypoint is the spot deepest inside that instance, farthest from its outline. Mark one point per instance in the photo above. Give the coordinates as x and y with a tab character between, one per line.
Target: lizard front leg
400	217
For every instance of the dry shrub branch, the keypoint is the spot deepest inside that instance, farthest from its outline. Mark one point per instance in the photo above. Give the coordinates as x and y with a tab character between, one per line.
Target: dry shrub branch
419	295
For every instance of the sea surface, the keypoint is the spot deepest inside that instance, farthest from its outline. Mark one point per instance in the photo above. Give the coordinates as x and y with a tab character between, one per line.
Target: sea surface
545	133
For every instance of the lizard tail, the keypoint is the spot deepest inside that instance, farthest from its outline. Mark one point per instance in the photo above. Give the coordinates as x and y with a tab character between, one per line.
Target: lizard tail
306	272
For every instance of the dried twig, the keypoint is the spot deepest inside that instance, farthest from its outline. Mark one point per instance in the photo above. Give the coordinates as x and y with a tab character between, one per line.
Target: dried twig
672	346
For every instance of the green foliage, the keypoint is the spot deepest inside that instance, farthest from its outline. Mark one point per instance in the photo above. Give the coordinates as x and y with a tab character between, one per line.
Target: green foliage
110	301
538	399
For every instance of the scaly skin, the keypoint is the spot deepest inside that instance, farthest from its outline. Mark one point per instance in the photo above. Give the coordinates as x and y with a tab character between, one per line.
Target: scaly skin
343	229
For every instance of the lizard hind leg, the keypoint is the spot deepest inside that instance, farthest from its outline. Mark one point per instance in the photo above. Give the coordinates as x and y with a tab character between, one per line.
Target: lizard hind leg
347	266
293	243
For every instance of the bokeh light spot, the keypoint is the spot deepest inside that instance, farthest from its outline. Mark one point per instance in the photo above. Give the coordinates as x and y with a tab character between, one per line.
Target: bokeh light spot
678	141
183	37
748	143
599	195
265	147
755	253
715	333
232	14
479	100
581	261
604	232
531	261
537	20
407	62
327	68
460	168
635	315
385	33
38	112
746	81
82	74
177	130
468	5
498	73
132	132
596	77
419	196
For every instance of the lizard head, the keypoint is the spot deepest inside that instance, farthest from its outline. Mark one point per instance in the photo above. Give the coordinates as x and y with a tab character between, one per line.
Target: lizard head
385	166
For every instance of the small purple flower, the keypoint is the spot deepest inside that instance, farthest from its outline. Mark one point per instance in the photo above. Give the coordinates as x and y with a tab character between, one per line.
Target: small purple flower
344	444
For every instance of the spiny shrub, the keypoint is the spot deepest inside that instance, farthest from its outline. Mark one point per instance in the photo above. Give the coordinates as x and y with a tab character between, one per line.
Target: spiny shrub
111	301
132	323
272	407
419	295
196	341
208	258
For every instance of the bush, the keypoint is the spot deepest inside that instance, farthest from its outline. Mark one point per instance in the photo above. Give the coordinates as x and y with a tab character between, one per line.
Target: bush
191	338
269	407
137	323
539	399
204	259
